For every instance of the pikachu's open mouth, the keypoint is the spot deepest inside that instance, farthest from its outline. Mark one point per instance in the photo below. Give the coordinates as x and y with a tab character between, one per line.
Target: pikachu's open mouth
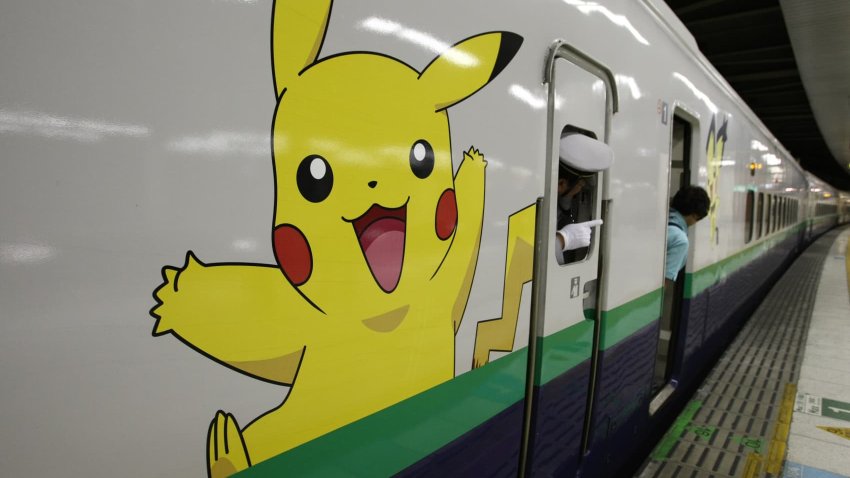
381	233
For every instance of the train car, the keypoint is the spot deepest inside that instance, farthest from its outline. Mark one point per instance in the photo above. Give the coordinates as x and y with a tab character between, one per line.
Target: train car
843	207
823	204
240	236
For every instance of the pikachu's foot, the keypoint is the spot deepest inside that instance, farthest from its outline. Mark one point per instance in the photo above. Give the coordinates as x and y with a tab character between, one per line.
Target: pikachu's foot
480	357
226	452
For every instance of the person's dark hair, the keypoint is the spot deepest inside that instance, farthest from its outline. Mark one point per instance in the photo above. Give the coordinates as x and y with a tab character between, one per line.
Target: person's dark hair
691	200
565	173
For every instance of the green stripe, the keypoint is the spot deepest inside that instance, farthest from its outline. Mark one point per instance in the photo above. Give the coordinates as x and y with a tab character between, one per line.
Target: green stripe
564	350
704	278
397	437
621	322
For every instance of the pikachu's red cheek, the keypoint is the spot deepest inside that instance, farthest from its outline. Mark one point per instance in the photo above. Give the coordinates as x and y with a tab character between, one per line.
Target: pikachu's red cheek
293	253
446	217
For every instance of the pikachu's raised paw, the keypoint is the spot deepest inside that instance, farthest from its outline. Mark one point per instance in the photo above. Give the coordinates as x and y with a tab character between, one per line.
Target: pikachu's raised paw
169	299
474	156
226	452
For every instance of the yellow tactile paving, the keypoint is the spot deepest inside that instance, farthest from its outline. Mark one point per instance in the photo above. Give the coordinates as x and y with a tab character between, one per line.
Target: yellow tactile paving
776	451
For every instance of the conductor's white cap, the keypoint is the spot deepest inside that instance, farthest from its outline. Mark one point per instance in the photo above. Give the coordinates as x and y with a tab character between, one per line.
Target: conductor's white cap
585	154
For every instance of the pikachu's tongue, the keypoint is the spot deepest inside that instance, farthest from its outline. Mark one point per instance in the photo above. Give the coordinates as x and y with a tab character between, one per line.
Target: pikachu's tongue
381	233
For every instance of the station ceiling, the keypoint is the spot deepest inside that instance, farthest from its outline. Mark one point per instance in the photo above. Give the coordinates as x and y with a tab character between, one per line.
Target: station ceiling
750	43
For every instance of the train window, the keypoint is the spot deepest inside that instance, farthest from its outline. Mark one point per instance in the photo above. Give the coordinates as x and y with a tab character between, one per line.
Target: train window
771	213
774	219
774	215
577	191
821	210
776	202
781	213
787	212
777	213
790	211
774	205
760	215
748	217
679	146
788	221
767	224
792	215
784	212
791	205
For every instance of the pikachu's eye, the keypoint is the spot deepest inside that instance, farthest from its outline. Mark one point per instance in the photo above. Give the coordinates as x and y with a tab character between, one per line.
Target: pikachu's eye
315	178
422	159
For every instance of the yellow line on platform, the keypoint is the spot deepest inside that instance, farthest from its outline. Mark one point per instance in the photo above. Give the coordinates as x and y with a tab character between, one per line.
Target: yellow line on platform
778	444
753	466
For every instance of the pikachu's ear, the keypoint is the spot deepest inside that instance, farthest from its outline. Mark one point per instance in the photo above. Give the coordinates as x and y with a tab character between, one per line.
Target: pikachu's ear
298	30
721	133
467	66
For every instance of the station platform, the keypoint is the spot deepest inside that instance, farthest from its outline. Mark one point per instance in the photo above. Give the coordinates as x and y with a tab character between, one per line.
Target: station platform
777	403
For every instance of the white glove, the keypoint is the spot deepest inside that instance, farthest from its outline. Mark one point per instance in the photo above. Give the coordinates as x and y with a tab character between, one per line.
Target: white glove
576	236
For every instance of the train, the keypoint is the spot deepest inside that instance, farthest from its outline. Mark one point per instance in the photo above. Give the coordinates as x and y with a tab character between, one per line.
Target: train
239	236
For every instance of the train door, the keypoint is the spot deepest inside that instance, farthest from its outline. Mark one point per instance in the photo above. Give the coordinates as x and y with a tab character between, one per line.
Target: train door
566	297
672	290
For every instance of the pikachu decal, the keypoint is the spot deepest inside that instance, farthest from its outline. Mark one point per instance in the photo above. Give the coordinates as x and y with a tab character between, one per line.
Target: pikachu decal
376	240
714	158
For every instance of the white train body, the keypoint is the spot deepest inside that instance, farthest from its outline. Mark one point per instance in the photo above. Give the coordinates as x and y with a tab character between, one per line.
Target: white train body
131	133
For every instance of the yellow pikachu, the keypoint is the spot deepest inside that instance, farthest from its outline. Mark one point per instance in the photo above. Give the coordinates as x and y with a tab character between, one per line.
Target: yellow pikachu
376	240
714	157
